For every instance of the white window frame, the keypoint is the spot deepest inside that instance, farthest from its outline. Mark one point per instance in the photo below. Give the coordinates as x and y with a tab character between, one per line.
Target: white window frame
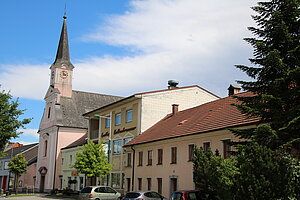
131	115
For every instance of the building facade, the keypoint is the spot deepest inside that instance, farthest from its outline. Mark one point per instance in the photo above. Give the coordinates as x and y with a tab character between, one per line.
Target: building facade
26	180
62	122
160	159
70	178
120	122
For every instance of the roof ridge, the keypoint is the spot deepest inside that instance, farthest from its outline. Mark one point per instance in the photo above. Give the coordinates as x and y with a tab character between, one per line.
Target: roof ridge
96	93
184	87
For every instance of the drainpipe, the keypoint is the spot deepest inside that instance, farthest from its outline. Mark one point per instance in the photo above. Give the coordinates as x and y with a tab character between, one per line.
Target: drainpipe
53	187
133	164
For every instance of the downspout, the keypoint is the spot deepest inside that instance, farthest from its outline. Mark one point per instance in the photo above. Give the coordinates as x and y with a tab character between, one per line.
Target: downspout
133	164
55	160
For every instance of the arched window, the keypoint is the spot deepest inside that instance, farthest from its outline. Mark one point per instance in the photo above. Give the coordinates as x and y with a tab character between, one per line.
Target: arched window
45	148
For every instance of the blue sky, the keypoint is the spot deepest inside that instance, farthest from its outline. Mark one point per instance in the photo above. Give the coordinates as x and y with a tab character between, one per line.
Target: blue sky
121	47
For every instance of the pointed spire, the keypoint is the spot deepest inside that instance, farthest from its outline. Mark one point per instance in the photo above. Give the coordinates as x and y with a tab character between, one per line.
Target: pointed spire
62	55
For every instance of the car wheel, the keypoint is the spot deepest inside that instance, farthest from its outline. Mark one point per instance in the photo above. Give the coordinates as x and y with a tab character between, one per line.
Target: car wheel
97	199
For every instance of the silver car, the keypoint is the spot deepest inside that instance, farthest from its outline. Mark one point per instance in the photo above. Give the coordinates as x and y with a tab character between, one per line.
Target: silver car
99	193
146	195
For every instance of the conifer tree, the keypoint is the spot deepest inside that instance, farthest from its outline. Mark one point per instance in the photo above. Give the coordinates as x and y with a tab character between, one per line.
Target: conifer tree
275	75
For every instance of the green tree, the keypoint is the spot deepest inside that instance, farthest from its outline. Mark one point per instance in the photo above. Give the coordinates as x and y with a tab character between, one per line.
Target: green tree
9	123
266	174
275	75
17	165
213	173
92	160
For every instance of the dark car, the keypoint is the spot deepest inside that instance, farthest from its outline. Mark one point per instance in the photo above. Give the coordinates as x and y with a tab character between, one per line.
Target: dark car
194	195
146	195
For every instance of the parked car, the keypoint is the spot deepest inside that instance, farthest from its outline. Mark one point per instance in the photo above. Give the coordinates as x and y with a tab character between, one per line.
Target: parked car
194	195
145	195
99	193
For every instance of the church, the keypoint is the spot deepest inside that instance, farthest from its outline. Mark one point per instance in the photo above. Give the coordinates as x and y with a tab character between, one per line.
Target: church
62	122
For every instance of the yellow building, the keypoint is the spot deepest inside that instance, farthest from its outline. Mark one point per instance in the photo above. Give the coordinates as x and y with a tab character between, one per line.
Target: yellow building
70	178
120	122
160	158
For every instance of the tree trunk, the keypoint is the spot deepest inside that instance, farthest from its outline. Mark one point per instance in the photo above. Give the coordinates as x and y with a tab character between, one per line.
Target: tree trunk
16	184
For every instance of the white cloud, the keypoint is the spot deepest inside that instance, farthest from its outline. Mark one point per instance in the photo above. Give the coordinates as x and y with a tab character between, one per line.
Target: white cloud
29	81
193	41
29	132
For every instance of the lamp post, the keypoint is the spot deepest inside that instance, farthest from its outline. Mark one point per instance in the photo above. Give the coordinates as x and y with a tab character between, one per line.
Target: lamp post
109	139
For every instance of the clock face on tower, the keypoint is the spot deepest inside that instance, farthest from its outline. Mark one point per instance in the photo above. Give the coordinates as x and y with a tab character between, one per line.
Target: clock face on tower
63	74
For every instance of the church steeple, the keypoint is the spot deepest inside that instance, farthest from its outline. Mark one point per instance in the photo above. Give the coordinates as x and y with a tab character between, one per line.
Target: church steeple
62	68
62	55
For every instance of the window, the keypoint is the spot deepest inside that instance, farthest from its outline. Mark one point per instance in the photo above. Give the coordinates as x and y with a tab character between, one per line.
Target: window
71	159
173	155
122	180
159	185
110	190
117	146
206	146
107	122
81	183
226	148
149	183
118	119
45	148
128	159
149	157
139	183
191	152
159	156
69	182
62	161
49	112
115	180
6	165
126	140
100	190
129	116
128	184
140	159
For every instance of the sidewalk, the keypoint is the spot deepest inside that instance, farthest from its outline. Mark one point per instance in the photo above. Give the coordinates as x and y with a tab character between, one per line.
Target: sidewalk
36	197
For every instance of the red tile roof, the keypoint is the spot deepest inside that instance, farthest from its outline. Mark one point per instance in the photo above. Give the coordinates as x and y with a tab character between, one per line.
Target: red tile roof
207	117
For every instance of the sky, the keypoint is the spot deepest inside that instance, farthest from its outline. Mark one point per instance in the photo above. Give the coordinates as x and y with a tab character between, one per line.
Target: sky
121	47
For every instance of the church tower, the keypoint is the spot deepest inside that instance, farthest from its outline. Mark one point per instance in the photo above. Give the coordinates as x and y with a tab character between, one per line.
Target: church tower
62	68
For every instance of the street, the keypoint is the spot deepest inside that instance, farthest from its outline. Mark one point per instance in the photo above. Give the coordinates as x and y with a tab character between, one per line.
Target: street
38	197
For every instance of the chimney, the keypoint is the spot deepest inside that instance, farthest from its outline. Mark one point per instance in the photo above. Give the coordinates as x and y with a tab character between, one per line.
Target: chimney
233	89
172	84
174	108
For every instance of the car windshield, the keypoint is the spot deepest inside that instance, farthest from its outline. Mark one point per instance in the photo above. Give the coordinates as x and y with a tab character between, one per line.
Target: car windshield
132	195
86	190
176	196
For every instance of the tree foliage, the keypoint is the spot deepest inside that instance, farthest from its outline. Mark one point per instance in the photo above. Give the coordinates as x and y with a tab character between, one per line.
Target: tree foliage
17	165
265	174
255	172
275	73
92	160
213	173
9	123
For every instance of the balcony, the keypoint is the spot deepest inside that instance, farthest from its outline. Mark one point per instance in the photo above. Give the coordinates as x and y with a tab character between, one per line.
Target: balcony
94	134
